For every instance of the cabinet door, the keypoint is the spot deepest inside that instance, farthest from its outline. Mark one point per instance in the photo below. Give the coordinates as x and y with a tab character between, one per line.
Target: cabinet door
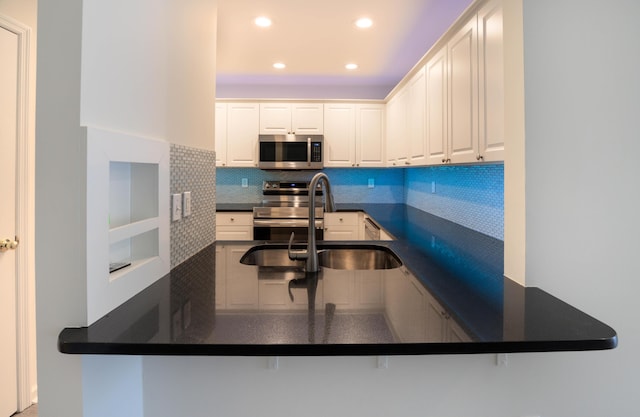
436	321
221	134
417	150
463	94
370	135
242	288
307	118
436	108
275	118
491	82
242	134
397	129
339	135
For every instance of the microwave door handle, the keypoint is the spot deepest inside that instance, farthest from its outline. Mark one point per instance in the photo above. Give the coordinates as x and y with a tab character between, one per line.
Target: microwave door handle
308	151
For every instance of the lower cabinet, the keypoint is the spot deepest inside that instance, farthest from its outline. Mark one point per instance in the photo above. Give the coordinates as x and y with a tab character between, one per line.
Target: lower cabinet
440	326
405	300
343	226
234	226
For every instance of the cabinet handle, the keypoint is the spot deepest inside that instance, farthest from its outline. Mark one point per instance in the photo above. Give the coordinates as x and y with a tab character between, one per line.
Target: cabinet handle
479	157
353	165
407	163
232	219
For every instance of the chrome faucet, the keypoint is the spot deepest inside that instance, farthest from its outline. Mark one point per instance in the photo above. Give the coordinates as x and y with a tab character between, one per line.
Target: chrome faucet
311	254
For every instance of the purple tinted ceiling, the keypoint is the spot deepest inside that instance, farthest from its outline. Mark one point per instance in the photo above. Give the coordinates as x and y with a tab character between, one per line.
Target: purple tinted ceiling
428	26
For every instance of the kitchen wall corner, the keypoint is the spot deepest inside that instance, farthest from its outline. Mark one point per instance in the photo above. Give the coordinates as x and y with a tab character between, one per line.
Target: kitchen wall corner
193	170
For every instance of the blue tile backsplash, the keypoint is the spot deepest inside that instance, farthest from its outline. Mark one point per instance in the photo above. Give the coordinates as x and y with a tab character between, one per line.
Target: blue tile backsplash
470	195
348	185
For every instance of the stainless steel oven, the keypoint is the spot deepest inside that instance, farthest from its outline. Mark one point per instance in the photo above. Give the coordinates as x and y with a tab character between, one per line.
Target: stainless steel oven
285	209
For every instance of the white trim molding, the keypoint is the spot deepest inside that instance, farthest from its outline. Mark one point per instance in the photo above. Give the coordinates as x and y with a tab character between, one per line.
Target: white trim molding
24	316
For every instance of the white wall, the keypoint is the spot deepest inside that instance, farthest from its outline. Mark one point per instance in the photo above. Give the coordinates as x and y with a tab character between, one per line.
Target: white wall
148	69
115	48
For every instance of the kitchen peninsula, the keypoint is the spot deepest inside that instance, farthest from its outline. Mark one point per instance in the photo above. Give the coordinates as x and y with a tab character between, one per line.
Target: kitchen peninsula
450	296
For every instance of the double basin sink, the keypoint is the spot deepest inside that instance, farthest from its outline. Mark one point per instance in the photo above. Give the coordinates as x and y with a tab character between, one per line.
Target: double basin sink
333	256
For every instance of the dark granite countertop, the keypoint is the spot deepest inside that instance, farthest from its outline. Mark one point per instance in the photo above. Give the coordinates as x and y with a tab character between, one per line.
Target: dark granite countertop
449	297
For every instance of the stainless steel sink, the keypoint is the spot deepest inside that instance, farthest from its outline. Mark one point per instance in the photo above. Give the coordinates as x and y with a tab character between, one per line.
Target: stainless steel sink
358	257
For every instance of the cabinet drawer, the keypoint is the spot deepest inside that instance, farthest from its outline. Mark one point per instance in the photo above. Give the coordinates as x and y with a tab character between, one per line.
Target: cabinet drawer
341	219
234	219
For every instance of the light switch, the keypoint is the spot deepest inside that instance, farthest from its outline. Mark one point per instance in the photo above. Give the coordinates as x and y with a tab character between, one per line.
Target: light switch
176	207
186	203
433	187
370	183
245	183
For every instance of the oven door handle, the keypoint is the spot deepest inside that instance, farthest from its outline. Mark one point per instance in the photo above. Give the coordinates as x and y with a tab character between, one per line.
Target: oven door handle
286	223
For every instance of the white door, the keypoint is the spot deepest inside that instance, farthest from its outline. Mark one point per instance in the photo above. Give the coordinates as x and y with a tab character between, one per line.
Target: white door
8	122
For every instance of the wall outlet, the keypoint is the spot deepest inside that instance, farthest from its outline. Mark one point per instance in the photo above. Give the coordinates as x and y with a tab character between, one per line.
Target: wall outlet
245	183
186	203
176	207
433	187
370	183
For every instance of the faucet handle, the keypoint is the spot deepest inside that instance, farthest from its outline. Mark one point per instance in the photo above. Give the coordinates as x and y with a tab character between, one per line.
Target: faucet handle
298	254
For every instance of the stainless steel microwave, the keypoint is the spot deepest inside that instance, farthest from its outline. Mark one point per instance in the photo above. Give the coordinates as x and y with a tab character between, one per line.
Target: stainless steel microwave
290	151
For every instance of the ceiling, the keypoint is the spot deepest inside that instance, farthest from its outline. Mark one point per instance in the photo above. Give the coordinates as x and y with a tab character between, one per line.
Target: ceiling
315	39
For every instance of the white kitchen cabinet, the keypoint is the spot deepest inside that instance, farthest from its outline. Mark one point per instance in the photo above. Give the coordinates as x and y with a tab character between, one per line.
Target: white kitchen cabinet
405	305
369	290
417	144
406	142
241	290
462	52
241	146
354	135
221	134
274	295
339	135
491	82
291	118
234	226
397	129
370	135
464	104
342	226
440	327
436	108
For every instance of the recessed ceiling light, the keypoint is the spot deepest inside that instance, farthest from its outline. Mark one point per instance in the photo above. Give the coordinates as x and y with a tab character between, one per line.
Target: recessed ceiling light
364	22
279	65
351	67
263	21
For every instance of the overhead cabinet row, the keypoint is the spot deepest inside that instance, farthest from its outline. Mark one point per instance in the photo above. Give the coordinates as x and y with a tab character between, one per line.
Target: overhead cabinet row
353	132
452	109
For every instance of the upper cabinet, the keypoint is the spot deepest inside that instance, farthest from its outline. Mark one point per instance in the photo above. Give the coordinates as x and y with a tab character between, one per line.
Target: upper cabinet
436	108
407	144
397	143
291	118
236	134
370	135
462	51
491	82
452	109
417	144
354	135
